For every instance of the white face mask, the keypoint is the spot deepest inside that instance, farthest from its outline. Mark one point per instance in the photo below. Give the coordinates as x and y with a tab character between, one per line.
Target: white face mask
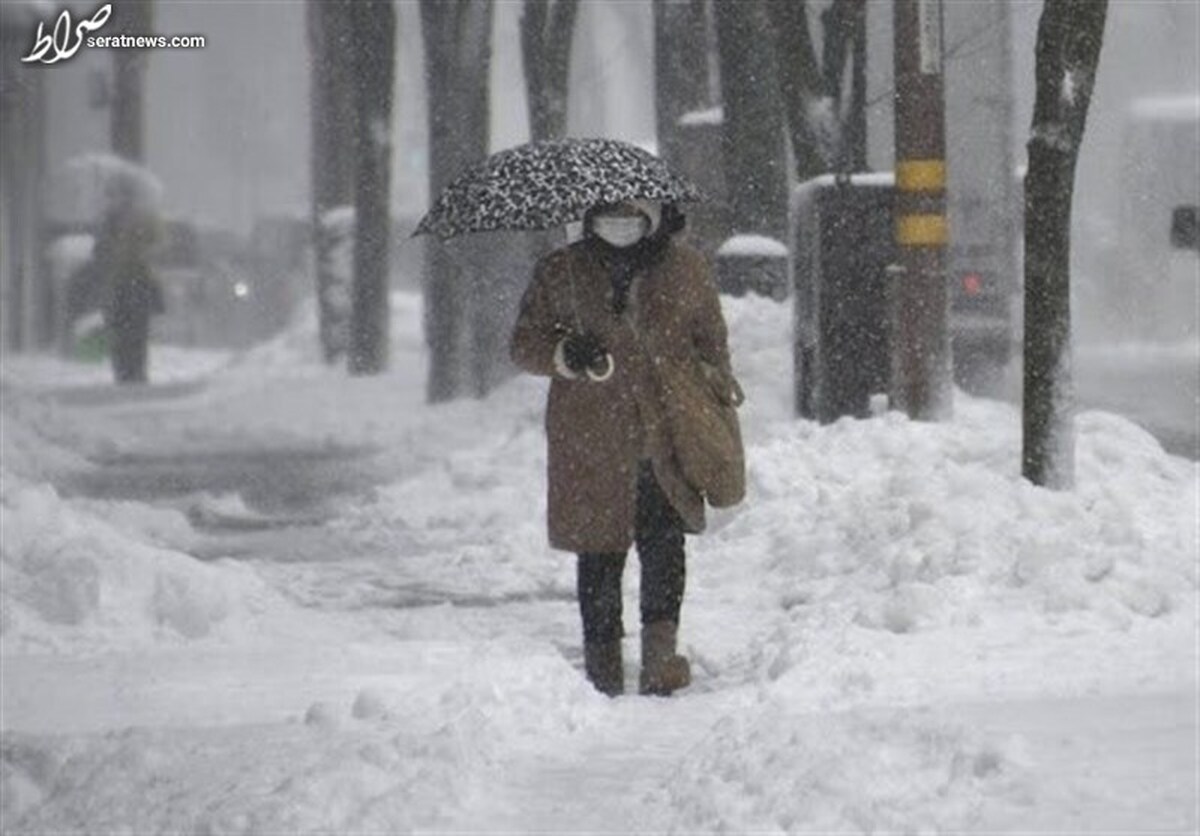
620	230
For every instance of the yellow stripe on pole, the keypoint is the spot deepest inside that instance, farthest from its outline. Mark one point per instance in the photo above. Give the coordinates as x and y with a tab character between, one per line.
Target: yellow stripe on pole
921	175
921	230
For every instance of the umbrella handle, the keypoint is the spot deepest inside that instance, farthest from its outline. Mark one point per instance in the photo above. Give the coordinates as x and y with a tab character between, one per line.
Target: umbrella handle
600	377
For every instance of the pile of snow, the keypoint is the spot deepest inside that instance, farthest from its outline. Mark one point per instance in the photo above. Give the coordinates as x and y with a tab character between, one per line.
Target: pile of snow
74	580
86	575
752	246
709	116
873	179
926	524
24	450
396	757
280	779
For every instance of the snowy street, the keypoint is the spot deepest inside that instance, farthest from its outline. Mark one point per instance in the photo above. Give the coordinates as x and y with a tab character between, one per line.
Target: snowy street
261	596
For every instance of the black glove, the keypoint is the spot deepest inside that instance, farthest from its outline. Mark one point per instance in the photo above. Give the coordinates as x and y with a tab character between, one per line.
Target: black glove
584	351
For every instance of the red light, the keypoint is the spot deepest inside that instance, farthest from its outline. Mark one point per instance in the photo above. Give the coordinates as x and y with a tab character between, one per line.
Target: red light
972	284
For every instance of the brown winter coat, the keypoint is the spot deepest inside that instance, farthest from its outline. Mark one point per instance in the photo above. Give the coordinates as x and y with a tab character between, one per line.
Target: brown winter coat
598	431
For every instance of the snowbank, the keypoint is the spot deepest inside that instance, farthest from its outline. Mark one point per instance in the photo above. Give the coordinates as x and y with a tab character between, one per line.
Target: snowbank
753	246
84	575
710	116
75	581
922	523
868	532
400	756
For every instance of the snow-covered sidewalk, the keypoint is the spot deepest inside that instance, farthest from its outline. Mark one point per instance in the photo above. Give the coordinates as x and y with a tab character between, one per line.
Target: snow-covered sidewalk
895	633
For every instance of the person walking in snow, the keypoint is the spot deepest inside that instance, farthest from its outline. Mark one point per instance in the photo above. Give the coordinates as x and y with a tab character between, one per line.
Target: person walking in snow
131	291
598	319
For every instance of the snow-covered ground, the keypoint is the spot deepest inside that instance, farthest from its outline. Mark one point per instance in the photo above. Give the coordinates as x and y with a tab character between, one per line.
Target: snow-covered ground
894	633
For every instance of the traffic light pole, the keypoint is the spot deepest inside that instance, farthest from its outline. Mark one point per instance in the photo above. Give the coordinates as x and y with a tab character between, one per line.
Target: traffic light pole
921	365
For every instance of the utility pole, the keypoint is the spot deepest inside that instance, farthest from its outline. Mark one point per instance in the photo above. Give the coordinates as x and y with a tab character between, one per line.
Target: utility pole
753	142
921	370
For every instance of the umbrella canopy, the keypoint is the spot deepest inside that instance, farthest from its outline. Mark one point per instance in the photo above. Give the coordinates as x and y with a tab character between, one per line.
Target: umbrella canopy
541	185
90	184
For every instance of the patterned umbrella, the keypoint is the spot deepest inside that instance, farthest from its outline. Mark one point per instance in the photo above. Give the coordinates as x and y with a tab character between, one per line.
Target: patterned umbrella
541	185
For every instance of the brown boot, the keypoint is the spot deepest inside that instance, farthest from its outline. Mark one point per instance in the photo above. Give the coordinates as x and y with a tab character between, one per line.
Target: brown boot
663	670
604	666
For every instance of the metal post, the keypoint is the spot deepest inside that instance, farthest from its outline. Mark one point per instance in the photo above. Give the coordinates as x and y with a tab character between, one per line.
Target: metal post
921	370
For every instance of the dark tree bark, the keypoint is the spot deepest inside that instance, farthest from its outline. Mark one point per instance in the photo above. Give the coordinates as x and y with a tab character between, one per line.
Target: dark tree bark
373	62
801	85
126	235
547	27
331	98
845	23
680	69
547	33
1070	34
753	142
129	71
457	38
686	82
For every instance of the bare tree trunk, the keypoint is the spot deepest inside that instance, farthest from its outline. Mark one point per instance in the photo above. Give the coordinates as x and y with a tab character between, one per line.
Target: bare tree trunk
855	121
547	27
457	38
331	98
680	69
128	280
547	33
129	66
373	62
753	146
1070	34
845	24
801	86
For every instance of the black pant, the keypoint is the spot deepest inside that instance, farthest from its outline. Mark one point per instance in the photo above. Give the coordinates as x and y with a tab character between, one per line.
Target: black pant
128	351
128	321
658	533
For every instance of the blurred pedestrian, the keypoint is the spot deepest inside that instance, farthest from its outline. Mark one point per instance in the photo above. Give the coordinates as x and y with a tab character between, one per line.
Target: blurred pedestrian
131	291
